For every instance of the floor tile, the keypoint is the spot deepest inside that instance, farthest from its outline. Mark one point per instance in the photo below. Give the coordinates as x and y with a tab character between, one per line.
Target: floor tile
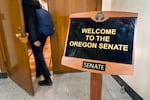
69	86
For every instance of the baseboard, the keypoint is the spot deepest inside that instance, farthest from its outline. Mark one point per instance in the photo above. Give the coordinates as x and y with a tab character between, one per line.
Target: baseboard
3	75
128	89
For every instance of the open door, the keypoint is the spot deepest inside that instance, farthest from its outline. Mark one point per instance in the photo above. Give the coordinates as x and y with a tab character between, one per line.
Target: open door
17	63
60	11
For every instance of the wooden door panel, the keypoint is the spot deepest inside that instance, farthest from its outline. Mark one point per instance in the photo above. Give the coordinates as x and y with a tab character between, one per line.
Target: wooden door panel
60	11
16	51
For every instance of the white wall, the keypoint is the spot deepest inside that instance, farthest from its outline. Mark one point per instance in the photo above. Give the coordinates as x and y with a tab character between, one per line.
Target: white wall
106	5
140	81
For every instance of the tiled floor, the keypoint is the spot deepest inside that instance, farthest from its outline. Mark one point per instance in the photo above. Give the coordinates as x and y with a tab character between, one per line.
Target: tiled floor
70	86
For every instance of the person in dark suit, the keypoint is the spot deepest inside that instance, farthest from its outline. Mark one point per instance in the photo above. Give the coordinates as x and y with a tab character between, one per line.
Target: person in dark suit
37	41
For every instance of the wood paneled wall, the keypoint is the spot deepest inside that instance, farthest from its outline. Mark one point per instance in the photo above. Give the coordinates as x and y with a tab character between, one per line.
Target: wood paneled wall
60	11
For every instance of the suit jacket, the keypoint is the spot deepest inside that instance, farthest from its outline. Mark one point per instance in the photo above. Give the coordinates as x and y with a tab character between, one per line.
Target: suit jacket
29	7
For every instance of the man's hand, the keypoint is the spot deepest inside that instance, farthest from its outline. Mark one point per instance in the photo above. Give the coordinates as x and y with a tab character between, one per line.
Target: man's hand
37	43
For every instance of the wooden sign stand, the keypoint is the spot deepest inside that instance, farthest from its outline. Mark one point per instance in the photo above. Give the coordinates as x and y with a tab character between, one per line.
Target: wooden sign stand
96	86
84	46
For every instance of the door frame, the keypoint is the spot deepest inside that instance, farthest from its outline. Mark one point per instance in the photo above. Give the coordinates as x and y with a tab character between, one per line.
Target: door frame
3	53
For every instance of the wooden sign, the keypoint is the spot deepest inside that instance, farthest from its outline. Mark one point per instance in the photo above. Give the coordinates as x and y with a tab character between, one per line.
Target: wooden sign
101	46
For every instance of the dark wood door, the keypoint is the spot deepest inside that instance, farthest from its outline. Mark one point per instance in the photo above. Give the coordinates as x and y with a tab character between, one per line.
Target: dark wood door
60	10
16	51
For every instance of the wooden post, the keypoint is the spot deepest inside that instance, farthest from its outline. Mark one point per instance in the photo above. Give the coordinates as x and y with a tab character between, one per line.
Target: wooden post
96	86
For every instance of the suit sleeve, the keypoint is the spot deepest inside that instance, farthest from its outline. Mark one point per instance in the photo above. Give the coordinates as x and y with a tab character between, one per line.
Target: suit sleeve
30	18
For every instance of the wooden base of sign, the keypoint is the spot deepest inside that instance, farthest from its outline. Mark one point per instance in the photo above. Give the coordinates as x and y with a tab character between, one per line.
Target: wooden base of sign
96	86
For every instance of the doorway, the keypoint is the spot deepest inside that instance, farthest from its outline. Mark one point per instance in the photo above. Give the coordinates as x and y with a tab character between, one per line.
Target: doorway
60	12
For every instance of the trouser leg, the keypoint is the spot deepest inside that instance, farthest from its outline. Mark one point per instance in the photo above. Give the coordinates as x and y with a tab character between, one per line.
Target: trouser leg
41	66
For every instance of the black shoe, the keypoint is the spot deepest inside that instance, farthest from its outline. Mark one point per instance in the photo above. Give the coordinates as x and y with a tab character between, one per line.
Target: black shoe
46	82
38	75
